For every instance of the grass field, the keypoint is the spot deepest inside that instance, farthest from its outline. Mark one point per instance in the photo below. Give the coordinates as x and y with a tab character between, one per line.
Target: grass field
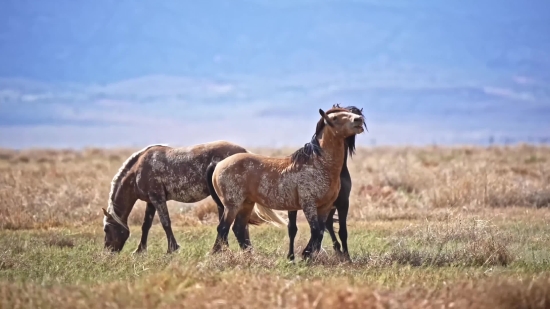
430	228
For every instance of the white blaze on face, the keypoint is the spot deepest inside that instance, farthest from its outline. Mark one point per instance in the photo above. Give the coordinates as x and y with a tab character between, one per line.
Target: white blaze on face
347	123
348	114
105	223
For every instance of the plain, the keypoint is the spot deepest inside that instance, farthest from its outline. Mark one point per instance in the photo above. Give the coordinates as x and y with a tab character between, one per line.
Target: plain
431	227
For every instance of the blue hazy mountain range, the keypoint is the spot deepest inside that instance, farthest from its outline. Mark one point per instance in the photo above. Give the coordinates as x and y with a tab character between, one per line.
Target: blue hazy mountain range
129	73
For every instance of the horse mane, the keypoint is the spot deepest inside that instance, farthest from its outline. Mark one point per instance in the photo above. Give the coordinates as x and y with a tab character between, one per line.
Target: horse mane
304	154
350	140
115	183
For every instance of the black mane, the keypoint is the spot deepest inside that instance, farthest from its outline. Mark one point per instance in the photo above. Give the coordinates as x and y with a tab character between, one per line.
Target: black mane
304	154
350	140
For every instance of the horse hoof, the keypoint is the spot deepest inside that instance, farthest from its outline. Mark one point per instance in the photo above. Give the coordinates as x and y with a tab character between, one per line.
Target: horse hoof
217	249
348	258
306	256
140	251
248	250
345	259
174	249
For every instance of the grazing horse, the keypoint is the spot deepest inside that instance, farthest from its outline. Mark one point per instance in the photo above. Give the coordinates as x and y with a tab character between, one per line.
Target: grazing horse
309	180
341	204
157	174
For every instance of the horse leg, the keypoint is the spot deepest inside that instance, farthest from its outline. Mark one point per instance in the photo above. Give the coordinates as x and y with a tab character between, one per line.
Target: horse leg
220	212
322	217
240	226
147	222
162	209
247	235
343	230
330	228
292	230
223	227
314	244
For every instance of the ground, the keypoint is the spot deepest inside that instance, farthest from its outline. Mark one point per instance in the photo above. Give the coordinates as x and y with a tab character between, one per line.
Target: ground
431	227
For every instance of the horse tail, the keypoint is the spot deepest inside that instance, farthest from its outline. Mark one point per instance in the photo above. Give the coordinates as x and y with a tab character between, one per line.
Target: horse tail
209	172
116	182
262	213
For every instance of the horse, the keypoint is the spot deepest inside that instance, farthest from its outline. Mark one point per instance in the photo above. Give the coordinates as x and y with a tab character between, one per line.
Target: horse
307	180
341	204
159	173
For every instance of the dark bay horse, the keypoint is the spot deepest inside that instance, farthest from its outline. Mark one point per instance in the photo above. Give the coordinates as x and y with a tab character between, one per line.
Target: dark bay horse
308	180
341	204
157	174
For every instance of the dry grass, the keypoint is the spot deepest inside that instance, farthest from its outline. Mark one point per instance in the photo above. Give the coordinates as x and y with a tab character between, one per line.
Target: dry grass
46	188
429	227
184	289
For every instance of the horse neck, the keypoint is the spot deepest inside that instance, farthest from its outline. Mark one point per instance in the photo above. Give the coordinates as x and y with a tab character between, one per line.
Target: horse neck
345	164
346	147
333	151
124	200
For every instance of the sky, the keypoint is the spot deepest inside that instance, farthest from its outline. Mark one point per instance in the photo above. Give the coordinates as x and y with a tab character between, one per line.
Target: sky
120	73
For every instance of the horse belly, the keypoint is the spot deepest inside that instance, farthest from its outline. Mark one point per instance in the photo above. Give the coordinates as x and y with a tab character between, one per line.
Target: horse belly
186	191
278	197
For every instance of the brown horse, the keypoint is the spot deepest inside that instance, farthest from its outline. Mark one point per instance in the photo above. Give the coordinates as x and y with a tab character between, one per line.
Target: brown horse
308	180
341	204
157	174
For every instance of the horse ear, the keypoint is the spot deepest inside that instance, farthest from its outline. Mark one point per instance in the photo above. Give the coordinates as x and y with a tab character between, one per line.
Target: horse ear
325	117
106	213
